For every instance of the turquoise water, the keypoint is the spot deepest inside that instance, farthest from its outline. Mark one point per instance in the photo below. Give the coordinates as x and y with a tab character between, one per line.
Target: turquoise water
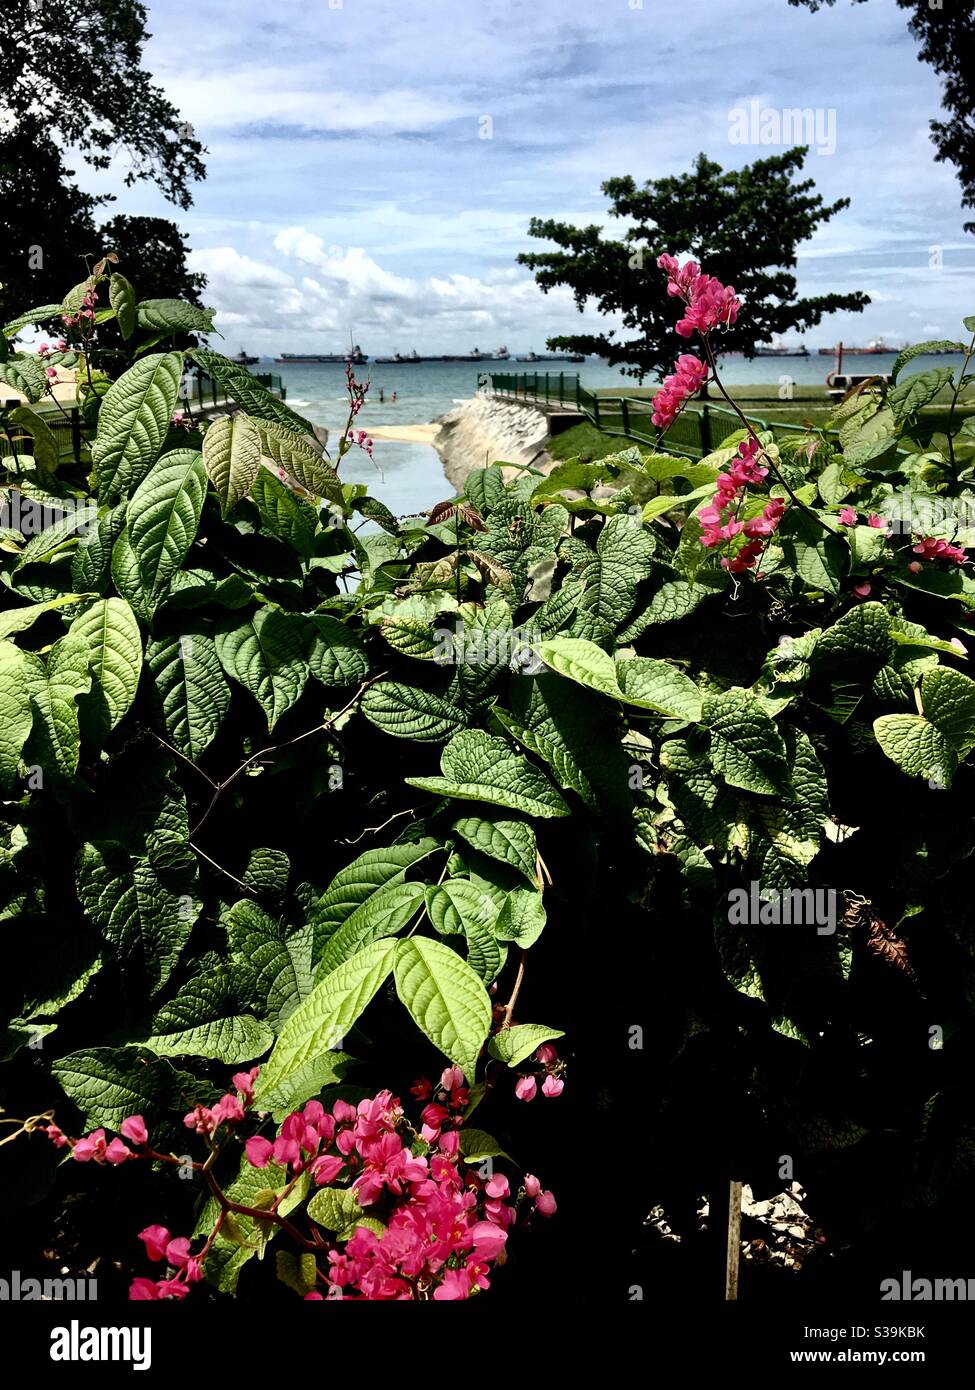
408	477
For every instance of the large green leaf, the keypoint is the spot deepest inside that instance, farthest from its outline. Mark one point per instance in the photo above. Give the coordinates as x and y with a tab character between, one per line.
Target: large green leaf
385	913
91	563
16	714
513	1045
174	316
301	460
917	746
624	552
39	315
272	966
509	841
56	738
112	633
110	1083
909	395
336	656
266	654
405	711
20	619
232	457
325	1016
146	921
26	375
458	906
194	694
202	1021
657	685
163	517
446	999
479	767
746	747
919	349
948	700
356	884
248	392
133	423
582	661
45	448
817	556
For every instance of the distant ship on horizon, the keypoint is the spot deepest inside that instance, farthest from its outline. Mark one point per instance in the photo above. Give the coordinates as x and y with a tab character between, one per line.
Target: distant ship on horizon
777	348
355	356
400	359
552	357
874	348
244	359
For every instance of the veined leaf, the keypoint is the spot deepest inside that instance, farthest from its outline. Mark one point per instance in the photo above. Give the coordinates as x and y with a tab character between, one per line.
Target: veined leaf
513	1045
195	696
173	316
163	517
16	713
360	881
46	450
917	746
509	841
326	1015
948	700
384	914
336	657
121	296
232	457
458	906
746	747
55	702
582	661
265	653
405	711
301	460
133	423
248	392
272	967
446	999
657	685
201	1022
479	767
20	619
113	636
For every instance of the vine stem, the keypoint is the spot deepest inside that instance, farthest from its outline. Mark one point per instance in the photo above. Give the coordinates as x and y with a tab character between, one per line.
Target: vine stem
509	1008
709	354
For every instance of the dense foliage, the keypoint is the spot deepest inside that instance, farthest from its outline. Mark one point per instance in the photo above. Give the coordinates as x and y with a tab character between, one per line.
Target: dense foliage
745	224
297	785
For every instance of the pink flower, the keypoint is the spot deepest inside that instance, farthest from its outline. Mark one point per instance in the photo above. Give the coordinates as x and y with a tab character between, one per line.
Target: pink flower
57	1136
546	1054
451	1078
142	1289
497	1186
201	1119
877	522
932	549
709	303
172	1288
690	375
552	1086
532	1185
848	516
228	1110
92	1146
258	1151
525	1088
421	1088
134	1128
862	590
327	1168
313	1297
545	1204
915	567
155	1239
244	1082
51	372
117	1152
178	1252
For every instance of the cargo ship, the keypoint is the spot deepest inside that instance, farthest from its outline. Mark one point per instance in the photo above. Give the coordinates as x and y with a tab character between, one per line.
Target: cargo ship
873	349
500	354
552	357
355	356
244	359
780	349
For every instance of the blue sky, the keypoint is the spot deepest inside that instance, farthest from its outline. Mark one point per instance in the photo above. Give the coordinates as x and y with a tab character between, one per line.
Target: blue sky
350	185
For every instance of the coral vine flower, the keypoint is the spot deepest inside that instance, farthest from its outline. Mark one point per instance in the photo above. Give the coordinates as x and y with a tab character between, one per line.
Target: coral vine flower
932	549
525	1088
134	1129
688	378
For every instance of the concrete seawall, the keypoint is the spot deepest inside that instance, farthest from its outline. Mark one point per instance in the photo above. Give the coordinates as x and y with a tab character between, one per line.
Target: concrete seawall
491	429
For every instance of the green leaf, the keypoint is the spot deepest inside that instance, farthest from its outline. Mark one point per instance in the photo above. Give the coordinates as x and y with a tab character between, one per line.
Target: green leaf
861	638
817	556
672	601
298	1272
355	885
163	517
133	423
268	872
916	391
232	457
200	1022
509	841
522	917
26	375
917	746
301	460
919	349
112	632
46	311
445	998
583	662
657	685
265	653
746	747
173	316
948	700
110	1083
46	450
408	712
146	921
513	1045
248	392
55	703
336	657
191	685
91	563
16	713
477	1144
384	914
327	1014
486	955
457	906
20	619
479	767
121	296
334	1208
283	514
273	967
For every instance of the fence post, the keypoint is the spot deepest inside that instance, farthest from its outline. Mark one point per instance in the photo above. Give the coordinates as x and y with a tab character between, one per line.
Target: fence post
546	388
705	419
76	433
626	416
595	410
561	388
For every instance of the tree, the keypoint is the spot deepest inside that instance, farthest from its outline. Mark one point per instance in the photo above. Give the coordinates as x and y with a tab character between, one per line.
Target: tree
946	33
159	249
82	67
743	225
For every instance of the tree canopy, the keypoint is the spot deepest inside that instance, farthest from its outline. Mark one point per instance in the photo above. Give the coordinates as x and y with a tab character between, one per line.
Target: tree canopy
946	33
743	225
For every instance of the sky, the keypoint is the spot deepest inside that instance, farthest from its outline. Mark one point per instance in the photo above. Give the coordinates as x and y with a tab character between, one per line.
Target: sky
373	164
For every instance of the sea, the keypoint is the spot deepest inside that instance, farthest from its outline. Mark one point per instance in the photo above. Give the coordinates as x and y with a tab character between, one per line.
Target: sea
409	478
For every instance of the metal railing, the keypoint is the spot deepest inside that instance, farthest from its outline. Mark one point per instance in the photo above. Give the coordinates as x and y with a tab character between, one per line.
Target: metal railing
207	394
63	422
554	388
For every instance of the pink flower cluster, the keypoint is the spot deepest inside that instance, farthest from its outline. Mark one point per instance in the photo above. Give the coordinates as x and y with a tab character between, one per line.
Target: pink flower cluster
690	375
526	1087
848	517
357	391
719	523
188	1268
45	348
229	1109
95	1148
930	549
87	310
361	438
709	303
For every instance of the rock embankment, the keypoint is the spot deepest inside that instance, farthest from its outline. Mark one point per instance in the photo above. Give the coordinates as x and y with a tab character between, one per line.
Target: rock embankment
490	429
